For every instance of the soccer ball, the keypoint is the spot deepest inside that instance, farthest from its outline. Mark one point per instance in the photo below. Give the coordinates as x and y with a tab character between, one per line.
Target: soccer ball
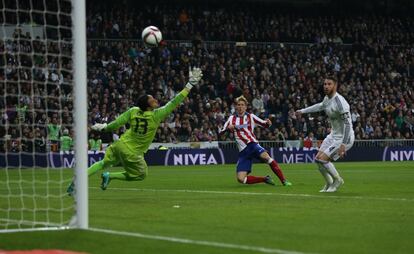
151	36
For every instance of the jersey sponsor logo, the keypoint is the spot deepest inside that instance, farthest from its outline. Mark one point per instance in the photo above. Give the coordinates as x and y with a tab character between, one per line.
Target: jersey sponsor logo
194	157
241	126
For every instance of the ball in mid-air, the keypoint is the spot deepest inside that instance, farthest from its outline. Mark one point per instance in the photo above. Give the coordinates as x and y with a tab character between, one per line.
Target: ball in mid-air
151	36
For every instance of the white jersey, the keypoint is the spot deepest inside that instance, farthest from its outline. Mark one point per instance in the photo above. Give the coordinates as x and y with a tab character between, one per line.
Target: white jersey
338	112
244	128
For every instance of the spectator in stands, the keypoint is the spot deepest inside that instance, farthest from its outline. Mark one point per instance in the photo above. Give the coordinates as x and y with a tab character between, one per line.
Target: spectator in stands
95	143
39	141
308	141
53	129
66	141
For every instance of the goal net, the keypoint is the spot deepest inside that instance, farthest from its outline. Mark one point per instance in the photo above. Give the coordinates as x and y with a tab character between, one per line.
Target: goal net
37	111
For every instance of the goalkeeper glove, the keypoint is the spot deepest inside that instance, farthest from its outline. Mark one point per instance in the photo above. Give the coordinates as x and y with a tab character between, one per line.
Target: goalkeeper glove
195	76
99	126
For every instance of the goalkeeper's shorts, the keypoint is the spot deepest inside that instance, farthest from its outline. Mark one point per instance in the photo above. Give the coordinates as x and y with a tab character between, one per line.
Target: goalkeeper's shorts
134	163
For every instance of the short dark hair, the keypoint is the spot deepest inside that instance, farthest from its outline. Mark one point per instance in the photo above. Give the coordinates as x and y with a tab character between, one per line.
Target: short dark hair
332	77
142	102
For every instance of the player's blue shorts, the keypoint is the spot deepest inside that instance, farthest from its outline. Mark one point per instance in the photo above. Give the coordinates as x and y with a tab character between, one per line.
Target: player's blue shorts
246	156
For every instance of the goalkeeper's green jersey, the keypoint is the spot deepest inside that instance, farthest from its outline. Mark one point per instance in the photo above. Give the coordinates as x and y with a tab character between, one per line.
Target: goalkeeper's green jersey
143	124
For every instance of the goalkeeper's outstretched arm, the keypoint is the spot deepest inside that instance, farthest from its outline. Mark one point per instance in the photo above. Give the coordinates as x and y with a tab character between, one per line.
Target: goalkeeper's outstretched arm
195	76
114	125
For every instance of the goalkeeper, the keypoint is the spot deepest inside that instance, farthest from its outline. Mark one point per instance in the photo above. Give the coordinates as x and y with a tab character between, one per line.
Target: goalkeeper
129	150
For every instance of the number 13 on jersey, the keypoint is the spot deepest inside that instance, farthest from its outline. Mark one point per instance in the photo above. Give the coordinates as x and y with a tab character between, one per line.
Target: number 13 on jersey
141	126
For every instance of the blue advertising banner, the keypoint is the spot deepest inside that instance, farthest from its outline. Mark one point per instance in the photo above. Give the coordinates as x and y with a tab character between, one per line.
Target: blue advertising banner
398	154
206	156
293	155
194	157
43	160
304	155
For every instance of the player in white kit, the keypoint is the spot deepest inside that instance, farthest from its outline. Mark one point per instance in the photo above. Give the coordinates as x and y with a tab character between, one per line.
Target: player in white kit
341	138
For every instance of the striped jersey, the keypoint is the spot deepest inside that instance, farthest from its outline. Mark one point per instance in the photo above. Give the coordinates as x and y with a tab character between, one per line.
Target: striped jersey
338	111
244	128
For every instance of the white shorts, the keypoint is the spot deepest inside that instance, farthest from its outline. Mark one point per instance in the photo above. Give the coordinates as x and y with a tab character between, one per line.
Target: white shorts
330	146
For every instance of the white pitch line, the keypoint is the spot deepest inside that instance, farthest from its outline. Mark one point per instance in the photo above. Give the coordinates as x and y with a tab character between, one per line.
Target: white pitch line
196	242
324	195
19	230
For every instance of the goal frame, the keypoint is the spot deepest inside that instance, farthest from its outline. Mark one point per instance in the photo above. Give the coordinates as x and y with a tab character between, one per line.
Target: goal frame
81	113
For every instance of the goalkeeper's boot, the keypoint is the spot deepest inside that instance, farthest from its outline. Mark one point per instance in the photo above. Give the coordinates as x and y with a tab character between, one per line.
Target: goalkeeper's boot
269	180
287	183
105	180
71	189
336	184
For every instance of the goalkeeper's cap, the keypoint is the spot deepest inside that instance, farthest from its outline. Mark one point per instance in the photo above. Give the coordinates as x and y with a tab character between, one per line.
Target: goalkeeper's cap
142	102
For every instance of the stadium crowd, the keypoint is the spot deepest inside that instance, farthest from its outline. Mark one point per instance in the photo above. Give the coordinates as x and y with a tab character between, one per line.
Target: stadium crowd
244	21
276	80
375	77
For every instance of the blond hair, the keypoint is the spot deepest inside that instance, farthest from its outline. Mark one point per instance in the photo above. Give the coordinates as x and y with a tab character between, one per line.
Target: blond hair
242	98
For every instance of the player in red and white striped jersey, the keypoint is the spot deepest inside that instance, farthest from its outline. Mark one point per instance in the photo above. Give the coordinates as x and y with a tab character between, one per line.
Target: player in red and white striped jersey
242	125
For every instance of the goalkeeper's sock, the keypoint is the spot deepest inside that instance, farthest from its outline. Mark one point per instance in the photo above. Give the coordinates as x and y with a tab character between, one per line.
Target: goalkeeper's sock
254	179
276	169
95	167
125	176
118	175
91	170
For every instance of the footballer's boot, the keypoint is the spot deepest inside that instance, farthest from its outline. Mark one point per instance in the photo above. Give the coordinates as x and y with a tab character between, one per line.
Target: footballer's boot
287	183
269	180
71	189
335	185
325	188
105	180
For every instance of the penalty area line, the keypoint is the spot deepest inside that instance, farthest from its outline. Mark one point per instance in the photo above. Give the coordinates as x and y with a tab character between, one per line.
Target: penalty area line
196	242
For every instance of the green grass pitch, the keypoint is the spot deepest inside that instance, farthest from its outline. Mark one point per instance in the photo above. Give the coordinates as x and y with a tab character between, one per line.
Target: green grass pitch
202	209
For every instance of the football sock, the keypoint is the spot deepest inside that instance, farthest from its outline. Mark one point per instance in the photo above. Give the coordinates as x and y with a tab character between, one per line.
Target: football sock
118	175
95	167
125	176
325	174
276	169
253	179
332	170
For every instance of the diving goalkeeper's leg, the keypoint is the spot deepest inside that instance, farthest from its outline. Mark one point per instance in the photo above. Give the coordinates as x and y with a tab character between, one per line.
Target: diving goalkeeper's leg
136	169
91	170
109	159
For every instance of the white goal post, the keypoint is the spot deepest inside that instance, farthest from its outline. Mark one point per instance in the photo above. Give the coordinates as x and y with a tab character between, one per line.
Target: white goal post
81	115
43	115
